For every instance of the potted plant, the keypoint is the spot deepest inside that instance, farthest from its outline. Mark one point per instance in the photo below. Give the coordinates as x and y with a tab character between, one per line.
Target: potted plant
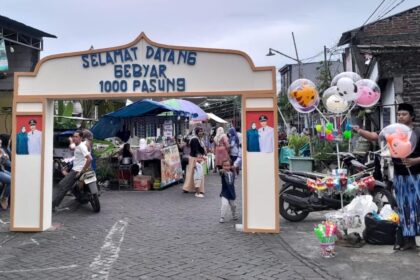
301	160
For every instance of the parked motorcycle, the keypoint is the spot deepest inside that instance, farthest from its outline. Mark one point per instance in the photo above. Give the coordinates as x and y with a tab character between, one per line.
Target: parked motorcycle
297	200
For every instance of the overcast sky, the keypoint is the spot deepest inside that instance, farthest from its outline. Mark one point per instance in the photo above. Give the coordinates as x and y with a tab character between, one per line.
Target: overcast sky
250	26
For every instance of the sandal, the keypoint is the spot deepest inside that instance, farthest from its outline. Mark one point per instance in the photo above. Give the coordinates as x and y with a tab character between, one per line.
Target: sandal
4	203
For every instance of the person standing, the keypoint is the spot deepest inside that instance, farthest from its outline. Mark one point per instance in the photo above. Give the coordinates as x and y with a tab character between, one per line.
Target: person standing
234	144
227	194
252	139
22	142
266	134
222	147
34	139
406	186
197	150
82	163
5	180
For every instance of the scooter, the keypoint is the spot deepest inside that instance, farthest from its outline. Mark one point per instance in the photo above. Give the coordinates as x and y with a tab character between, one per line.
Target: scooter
297	200
86	190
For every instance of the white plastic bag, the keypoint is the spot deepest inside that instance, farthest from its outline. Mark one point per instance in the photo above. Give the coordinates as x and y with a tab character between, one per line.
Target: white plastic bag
361	205
386	212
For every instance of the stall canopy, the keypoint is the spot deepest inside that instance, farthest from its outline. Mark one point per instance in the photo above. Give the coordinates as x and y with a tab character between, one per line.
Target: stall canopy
111	123
216	118
196	112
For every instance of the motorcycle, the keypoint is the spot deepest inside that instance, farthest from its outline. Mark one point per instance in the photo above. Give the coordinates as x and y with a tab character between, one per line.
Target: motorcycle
297	199
85	189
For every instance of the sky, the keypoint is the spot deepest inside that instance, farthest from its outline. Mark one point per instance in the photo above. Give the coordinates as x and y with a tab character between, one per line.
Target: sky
249	26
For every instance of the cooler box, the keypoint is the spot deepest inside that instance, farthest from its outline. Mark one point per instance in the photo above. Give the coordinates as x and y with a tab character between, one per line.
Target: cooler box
142	183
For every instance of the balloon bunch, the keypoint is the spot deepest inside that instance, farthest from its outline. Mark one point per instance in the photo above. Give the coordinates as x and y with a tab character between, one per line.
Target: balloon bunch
348	87
326	232
326	131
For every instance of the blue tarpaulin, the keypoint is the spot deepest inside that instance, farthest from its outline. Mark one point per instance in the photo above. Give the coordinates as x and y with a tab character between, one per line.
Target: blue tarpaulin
111	123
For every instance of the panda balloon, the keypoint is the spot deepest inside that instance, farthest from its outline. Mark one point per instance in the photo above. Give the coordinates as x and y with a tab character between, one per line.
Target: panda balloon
347	89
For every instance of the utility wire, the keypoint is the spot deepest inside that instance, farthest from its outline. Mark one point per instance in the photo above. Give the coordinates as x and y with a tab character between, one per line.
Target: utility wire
373	13
385	8
390	10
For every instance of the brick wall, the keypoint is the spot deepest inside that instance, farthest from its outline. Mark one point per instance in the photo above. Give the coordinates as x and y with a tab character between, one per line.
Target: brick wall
403	28
404	64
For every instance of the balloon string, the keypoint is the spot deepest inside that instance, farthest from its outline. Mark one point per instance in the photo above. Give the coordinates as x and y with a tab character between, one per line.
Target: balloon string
322	115
411	176
348	113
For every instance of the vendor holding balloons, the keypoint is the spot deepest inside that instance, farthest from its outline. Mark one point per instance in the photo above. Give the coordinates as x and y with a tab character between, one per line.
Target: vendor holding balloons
402	140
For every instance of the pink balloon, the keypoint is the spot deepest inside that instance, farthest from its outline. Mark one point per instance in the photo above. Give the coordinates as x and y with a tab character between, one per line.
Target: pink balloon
329	137
368	93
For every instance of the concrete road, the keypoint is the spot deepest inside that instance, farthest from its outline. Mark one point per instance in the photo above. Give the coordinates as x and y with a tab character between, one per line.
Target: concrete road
170	235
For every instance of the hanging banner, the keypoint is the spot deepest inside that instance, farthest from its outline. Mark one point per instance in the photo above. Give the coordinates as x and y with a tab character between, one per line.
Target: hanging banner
4	65
171	168
168	128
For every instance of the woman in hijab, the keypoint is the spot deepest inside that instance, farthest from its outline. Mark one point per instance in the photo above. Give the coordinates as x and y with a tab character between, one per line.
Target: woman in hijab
222	147
234	144
198	151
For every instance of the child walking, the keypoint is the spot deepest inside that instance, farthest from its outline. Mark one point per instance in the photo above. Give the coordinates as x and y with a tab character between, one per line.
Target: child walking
198	177
227	194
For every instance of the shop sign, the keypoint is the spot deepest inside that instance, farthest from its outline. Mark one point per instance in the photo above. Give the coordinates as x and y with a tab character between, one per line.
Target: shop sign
135	71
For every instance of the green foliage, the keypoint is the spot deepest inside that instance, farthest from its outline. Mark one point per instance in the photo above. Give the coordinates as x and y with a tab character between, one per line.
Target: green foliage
296	142
104	170
65	109
326	151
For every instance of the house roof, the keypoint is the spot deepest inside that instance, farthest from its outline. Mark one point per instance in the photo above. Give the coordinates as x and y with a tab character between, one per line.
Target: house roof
348	35
18	26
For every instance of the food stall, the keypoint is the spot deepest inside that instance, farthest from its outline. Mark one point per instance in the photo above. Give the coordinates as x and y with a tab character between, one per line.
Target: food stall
150	128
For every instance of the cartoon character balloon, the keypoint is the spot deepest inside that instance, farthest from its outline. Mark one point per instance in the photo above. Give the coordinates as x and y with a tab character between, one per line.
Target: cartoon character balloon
369	93
346	86
347	89
333	102
400	139
351	75
303	96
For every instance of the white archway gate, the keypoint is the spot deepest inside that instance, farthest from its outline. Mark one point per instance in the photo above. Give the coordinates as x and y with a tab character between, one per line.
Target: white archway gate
143	69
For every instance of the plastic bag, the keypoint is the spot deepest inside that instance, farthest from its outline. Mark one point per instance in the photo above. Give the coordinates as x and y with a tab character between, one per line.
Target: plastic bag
388	214
361	205
379	232
352	215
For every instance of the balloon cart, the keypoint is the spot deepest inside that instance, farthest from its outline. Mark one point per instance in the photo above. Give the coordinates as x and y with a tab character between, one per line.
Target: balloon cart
347	91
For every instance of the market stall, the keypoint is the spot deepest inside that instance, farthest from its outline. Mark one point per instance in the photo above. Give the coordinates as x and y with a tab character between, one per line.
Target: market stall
150	128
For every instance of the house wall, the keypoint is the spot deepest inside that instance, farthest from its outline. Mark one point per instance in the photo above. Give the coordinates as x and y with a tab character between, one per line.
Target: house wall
403	28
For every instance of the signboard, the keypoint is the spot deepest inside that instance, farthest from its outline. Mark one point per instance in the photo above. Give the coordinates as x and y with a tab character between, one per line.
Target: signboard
4	66
134	72
168	128
171	168
144	68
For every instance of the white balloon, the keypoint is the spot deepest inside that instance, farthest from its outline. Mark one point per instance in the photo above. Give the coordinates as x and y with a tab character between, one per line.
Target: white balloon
336	104
333	102
347	89
354	76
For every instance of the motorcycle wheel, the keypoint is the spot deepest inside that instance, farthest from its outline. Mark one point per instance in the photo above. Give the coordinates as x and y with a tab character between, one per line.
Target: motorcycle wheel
289	213
94	201
382	196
